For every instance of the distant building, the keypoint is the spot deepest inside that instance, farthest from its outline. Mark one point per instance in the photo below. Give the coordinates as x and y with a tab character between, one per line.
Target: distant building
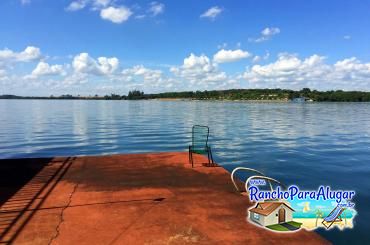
271	213
299	99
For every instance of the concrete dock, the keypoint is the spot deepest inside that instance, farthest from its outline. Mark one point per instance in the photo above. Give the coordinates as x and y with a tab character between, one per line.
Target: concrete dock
127	199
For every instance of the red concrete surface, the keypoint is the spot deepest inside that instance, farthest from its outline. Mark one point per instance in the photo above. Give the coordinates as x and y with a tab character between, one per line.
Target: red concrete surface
134	199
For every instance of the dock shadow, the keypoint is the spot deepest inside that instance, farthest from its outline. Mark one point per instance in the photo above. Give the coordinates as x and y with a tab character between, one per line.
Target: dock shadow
25	183
15	173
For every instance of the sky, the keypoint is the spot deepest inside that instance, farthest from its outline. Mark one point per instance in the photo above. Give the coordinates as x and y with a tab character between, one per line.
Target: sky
90	47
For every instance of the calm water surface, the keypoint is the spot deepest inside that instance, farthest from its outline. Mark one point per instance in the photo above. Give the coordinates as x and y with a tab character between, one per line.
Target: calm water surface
308	144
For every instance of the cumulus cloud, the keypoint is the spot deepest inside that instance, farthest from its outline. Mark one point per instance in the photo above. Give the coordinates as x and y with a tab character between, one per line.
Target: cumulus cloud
259	58
156	8
199	70
94	4
196	72
266	34
288	71
140	70
101	3
288	68
73	80
145	78
29	54
212	13
44	69
270	31
77	5
224	56
109	10
116	14
83	63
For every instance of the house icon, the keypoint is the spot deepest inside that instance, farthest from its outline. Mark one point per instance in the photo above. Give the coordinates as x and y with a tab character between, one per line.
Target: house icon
271	213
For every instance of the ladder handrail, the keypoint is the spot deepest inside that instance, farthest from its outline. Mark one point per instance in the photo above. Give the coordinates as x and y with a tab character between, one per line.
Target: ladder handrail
247	169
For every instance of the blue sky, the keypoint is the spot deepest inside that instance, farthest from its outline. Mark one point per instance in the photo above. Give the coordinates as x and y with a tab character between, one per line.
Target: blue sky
113	46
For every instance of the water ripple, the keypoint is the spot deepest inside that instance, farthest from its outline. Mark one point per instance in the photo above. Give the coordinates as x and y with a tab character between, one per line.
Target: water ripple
307	144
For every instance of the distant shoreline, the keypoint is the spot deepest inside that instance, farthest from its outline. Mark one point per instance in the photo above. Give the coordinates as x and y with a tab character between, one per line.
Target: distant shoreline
158	99
222	100
242	95
186	100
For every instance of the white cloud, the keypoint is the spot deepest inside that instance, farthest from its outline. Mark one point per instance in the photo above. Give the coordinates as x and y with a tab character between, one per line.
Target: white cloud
109	10
116	14
156	8
140	76
29	54
347	37
25	2
143	78
222	46
94	4
140	16
44	69
108	65
83	63
77	5
270	31
73	79
140	70
266	34
259	58
256	59
3	74
224	56
199	70
101	3
288	68
212	13
288	71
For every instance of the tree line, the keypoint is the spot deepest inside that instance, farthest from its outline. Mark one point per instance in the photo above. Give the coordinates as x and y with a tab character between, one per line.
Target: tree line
230	94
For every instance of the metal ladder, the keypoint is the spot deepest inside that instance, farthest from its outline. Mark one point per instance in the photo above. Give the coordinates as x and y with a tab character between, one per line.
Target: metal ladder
259	176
